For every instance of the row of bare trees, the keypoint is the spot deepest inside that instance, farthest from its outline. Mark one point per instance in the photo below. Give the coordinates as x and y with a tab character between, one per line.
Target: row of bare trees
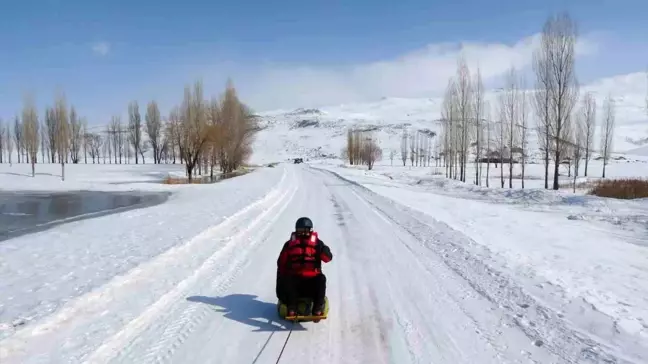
462	122
199	133
470	127
417	146
566	132
58	137
61	135
209	133
362	148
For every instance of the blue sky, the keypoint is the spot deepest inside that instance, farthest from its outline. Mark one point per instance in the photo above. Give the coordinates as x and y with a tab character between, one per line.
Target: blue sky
283	53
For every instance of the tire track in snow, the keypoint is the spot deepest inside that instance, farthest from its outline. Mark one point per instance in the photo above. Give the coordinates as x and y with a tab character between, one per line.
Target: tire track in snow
545	329
414	337
371	325
54	333
223	267
405	300
356	324
433	324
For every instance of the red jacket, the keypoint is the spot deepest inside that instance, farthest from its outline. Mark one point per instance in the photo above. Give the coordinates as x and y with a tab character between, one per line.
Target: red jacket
303	256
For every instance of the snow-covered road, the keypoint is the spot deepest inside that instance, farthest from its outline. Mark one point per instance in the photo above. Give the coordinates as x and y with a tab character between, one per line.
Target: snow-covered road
403	288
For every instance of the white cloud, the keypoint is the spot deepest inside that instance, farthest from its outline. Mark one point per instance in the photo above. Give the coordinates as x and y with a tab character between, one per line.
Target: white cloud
101	48
421	73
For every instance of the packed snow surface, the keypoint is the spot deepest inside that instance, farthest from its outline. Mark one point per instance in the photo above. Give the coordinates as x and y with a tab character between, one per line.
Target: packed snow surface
568	247
417	277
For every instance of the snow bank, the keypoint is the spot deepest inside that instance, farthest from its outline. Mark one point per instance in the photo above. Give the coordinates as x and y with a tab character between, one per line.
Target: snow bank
90	177
550	239
40	272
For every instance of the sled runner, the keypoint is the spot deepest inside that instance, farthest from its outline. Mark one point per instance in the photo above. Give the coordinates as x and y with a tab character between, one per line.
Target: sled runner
304	311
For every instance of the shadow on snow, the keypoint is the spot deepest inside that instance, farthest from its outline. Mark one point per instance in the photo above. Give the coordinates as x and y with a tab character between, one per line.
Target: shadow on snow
246	309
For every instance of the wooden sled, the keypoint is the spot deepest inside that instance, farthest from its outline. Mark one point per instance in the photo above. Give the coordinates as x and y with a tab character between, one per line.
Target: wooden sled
304	309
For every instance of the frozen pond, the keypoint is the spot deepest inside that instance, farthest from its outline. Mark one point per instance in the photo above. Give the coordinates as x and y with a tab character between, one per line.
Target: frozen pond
26	212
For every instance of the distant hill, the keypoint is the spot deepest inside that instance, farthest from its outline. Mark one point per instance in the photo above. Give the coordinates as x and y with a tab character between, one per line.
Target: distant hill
321	133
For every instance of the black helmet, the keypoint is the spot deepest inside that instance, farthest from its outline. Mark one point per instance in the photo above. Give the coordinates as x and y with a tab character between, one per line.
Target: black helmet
303	225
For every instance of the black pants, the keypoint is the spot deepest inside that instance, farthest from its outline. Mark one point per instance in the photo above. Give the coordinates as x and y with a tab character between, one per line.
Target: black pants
290	288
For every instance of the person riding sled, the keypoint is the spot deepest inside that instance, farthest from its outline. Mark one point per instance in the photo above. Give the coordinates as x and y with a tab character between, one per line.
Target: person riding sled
299	268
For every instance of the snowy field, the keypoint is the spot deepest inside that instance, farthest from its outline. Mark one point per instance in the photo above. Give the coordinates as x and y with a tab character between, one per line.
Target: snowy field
40	272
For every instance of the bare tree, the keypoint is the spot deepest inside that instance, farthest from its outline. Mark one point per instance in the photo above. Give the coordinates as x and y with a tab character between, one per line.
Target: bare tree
51	125
464	101
523	129
213	144
420	147
44	144
135	129
589	114
116	137
412	147
175	131
478	109
609	114
76	136
87	146
511	113
18	137
489	127
84	132
429	150
194	132
237	129
107	144
579	143
122	142
445	149
403	147
154	129
95	142
559	38
437	155
349	147
9	143
371	152
31	132
97	145
503	132
451	129
356	147
542	101
106	148
62	130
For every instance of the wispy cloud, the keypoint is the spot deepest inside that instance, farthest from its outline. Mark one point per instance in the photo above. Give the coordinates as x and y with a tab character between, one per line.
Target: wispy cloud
421	73
101	48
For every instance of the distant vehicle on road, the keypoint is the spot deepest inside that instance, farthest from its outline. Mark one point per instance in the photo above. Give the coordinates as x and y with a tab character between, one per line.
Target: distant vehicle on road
299	160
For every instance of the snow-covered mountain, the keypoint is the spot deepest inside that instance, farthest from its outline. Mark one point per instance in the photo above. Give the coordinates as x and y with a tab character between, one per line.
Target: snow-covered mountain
321	132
